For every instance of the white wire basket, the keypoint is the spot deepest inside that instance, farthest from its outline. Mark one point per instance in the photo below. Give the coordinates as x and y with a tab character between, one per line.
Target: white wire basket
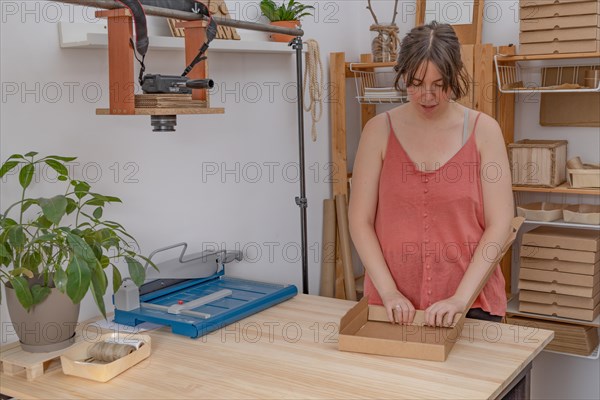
376	85
512	78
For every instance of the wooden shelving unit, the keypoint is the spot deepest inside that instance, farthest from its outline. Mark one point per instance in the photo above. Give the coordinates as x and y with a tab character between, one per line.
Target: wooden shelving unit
507	99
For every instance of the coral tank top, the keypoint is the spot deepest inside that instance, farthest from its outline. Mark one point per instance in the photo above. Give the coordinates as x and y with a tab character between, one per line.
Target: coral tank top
429	223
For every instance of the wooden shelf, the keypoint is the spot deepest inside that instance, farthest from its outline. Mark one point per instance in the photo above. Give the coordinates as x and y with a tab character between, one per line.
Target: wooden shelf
166	111
563	224
543	57
564	188
513	309
94	36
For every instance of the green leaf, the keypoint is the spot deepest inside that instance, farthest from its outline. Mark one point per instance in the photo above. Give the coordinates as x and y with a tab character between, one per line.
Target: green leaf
8	166
28	203
95	202
78	278
61	158
47	237
99	285
7	222
81	189
39	293
26	175
22	291
31	154
31	260
97	213
71	205
16	236
54	208
104	261
60	279
117	279
58	167
42	222
63	178
80	248
4	251
15	156
136	270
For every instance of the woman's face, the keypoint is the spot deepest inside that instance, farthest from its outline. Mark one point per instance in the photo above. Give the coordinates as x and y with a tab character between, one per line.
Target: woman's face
426	91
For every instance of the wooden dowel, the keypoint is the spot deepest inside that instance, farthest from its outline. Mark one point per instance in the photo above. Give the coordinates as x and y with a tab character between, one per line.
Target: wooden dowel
328	249
345	246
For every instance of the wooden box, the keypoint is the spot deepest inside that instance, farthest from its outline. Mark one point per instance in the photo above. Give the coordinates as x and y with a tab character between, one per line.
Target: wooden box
559	277
589	303
73	360
538	162
559	288
584	178
561	266
559	311
557	8
575	21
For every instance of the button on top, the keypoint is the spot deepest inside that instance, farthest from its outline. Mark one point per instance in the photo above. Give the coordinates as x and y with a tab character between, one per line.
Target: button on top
425	215
429	292
428	278
426	190
428	266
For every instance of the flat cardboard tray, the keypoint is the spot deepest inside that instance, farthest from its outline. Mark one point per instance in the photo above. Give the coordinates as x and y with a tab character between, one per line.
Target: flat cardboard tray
561	266
563	238
553	287
366	329
589	303
560	311
559	277
73	360
579	256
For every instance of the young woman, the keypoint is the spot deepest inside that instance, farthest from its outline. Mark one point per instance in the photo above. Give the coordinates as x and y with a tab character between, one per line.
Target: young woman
431	202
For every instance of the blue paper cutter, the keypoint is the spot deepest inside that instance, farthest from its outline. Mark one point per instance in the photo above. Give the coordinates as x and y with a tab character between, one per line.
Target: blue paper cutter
193	296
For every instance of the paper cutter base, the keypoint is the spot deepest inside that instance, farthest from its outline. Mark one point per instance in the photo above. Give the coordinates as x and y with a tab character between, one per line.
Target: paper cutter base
248	297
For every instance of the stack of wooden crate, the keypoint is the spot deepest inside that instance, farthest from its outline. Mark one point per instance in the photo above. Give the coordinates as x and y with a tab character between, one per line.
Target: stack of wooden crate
560	273
559	26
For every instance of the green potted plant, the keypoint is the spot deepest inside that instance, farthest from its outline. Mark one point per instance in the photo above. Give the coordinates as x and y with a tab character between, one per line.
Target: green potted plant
286	15
54	250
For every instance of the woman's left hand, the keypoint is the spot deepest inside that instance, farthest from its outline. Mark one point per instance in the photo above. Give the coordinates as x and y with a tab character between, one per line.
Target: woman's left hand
442	313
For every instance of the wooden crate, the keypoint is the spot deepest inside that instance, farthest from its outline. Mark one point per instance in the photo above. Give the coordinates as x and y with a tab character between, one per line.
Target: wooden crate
538	162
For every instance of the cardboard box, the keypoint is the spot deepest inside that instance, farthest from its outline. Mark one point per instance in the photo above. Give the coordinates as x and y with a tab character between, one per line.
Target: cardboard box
575	21
560	35
560	311
563	238
588	303
559	277
568	338
560	266
559	10
538	162
590	257
538	3
561	47
365	331
553	287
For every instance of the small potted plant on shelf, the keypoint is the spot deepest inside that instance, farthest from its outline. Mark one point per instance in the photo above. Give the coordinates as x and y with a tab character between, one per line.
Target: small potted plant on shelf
56	249
286	15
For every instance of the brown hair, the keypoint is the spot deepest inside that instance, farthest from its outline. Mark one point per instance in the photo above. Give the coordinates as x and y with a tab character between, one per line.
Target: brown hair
439	44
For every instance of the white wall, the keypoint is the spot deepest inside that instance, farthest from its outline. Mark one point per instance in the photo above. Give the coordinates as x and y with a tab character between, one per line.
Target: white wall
169	194
167	200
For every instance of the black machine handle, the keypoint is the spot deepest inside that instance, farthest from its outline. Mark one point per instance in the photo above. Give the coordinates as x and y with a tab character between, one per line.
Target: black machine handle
200	84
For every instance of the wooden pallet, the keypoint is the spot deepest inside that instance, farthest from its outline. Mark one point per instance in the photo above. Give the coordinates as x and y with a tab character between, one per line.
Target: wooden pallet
14	361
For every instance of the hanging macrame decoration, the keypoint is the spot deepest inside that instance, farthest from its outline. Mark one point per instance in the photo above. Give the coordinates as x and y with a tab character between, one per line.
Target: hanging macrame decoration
385	45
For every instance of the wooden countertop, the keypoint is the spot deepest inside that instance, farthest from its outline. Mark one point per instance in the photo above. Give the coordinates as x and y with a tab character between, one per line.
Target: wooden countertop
290	351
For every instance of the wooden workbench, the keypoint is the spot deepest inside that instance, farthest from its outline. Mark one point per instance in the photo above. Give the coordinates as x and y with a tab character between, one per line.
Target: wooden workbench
290	351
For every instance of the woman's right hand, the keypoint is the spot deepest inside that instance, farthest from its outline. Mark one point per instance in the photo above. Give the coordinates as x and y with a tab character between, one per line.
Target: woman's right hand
399	309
